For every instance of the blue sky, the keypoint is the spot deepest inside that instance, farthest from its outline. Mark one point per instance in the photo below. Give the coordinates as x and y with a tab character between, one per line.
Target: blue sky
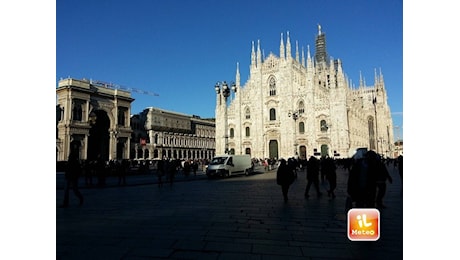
179	49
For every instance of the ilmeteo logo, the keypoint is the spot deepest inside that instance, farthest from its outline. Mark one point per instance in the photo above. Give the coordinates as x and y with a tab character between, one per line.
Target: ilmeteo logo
363	224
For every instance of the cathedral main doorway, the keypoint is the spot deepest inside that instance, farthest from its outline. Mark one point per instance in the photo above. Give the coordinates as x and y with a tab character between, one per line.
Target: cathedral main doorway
303	152
98	139
273	149
324	150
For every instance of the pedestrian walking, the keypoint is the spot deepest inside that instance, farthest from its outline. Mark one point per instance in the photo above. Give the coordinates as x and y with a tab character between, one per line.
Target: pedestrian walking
323	169
265	164
88	172
72	172
284	178
187	168
331	175
293	164
361	186
161	170
122	168
172	168
382	176
312	176
194	166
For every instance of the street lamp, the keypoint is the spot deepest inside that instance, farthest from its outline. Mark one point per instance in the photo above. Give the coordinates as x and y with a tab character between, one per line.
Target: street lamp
374	101
223	87
329	134
295	115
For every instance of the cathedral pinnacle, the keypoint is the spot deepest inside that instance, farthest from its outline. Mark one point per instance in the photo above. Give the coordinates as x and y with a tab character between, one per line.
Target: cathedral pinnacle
259	54
303	57
288	46
282	55
237	74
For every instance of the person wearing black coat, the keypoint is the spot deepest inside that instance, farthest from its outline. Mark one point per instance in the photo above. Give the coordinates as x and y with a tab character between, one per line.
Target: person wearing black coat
72	172
329	168
382	176
284	178
313	166
362	180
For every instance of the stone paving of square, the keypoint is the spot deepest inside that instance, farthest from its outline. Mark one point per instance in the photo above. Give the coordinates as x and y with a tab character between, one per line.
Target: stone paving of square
241	217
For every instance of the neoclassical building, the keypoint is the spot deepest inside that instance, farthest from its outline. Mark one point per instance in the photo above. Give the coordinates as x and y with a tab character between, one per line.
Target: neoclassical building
159	133
93	119
301	106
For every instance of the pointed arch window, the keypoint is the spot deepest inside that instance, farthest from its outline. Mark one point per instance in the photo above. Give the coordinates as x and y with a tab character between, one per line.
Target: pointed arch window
301	107
248	132
272	87
301	127
247	113
272	114
232	132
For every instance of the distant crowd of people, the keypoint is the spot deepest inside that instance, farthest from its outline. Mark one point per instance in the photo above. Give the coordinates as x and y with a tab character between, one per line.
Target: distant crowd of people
97	171
366	183
316	169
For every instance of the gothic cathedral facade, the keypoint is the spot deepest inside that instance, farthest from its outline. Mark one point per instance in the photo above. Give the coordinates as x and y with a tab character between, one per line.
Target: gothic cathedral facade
302	107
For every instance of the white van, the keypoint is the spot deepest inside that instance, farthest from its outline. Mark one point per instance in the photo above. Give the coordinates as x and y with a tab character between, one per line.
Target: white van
229	164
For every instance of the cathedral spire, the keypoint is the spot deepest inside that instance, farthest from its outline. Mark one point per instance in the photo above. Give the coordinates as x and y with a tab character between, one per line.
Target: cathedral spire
303	57
376	80
288	47
339	67
321	57
297	51
259	54
253	55
360	79
282	53
309	60
237	77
